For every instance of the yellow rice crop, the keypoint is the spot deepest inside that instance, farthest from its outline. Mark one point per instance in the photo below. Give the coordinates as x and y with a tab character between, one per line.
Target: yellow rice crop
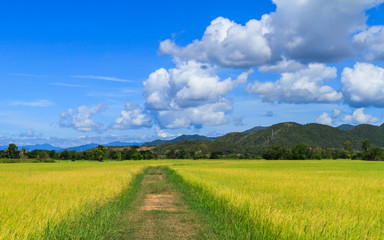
298	199
33	194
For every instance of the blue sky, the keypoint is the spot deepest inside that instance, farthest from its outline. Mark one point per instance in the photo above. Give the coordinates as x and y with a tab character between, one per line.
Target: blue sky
78	72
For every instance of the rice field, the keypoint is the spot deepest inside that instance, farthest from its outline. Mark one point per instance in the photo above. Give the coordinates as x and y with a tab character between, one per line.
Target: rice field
292	199
253	199
37	198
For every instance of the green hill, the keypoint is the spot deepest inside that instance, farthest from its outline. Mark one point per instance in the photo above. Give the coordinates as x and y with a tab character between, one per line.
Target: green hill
345	127
290	133
286	134
257	128
179	139
373	133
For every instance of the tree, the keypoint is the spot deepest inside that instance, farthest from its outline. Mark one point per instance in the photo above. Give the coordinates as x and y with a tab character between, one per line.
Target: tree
300	152
43	156
115	154
348	146
23	152
375	154
366	145
99	153
171	154
64	155
181	154
215	155
276	152
12	150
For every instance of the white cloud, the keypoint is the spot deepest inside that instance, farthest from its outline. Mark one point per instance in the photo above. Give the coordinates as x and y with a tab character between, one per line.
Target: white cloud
210	114
132	117
282	66
299	30
363	85
157	90
312	30
30	134
226	43
37	103
336	112
324	118
189	95
371	43
161	133
81	120
113	79
359	117
190	84
302	86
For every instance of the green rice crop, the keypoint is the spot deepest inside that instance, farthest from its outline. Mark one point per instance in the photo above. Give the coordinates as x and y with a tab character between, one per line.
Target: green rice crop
291	199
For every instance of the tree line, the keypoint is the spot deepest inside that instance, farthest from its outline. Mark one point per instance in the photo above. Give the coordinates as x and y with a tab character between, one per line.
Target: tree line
100	153
302	152
275	152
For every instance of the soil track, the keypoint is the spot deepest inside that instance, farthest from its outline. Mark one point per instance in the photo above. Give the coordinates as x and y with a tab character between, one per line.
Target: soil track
159	212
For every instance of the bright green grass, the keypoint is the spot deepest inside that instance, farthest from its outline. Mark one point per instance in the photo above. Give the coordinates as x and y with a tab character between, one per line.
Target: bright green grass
292	199
53	200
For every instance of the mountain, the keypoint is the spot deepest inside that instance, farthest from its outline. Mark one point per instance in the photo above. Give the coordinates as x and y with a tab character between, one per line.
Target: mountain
256	139
36	146
257	128
120	144
83	147
77	148
345	127
290	133
42	147
373	133
179	139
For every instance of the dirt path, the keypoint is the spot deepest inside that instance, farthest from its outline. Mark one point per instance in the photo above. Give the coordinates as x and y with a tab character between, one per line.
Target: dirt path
159	212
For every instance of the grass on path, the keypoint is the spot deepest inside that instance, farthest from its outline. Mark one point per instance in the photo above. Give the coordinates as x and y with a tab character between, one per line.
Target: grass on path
159	212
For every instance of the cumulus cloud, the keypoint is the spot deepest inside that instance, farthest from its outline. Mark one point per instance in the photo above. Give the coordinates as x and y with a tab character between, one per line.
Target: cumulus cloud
226	43
132	117
163	134
302	86
371	43
363	85
30	134
210	114
81	120
324	118
311	30
336	112
358	116
189	95
282	66
299	30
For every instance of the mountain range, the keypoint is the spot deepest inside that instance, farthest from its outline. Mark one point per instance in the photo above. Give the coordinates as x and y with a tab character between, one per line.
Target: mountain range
287	133
179	139
258	139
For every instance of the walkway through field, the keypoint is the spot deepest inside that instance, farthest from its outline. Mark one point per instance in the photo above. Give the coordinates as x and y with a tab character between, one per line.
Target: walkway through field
159	212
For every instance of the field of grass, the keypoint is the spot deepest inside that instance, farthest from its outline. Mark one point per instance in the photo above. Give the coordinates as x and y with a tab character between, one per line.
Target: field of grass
49	200
291	199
